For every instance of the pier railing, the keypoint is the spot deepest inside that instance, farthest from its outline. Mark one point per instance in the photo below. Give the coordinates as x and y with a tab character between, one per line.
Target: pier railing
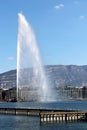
48	115
63	116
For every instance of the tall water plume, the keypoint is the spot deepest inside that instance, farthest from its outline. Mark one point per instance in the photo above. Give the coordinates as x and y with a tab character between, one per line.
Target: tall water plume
31	80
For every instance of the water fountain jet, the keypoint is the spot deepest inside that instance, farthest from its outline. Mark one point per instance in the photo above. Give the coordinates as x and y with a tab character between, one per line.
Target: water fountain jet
31	79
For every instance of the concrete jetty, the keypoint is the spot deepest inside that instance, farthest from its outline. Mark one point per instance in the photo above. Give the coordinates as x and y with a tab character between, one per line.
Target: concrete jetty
48	115
63	116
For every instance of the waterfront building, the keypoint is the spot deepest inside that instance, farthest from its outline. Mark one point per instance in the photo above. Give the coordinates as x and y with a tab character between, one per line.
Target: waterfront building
72	92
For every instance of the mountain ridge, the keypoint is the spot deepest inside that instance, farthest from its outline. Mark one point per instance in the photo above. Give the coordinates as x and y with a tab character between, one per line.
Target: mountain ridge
57	75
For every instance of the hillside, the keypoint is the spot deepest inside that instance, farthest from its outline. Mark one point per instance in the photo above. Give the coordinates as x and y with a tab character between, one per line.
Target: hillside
58	75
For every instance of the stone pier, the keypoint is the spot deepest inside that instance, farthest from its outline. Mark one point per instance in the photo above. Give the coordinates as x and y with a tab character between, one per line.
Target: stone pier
48	115
63	116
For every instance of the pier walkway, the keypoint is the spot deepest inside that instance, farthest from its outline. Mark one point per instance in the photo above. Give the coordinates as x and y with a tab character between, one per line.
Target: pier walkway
48	115
63	116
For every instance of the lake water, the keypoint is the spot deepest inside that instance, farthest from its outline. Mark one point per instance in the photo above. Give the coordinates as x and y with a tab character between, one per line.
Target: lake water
15	122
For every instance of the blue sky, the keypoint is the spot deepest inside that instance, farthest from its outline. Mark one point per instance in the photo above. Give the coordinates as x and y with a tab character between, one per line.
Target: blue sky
60	27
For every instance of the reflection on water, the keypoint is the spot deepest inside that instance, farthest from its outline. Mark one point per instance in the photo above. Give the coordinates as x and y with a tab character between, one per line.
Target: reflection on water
15	122
12	122
64	105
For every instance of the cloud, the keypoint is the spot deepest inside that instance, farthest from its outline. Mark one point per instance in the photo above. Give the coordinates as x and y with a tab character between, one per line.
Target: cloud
10	58
59	6
76	2
82	17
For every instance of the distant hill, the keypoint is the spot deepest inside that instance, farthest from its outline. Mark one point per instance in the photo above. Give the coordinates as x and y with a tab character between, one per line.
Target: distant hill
8	79
62	75
58	75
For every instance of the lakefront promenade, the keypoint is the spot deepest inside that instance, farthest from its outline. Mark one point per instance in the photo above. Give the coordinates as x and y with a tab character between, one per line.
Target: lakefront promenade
48	115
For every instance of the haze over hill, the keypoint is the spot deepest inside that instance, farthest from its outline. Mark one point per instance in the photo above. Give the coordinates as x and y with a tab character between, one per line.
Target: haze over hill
57	75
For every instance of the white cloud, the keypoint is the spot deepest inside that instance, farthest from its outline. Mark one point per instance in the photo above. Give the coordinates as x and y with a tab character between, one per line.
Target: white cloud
10	58
76	2
59	6
82	17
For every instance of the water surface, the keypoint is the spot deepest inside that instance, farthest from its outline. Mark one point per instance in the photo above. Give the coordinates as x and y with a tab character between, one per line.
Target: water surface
16	122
